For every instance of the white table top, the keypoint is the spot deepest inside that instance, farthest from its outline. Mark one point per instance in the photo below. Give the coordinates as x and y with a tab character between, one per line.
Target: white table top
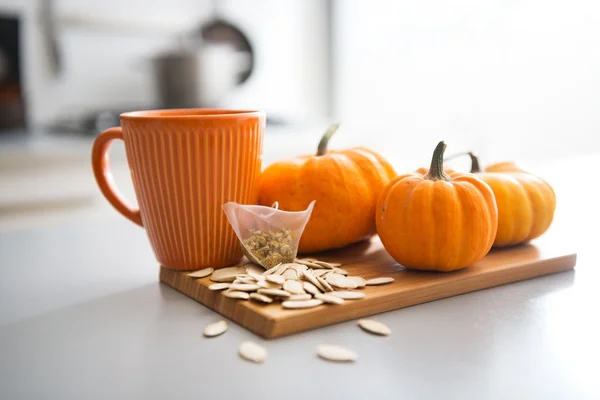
82	315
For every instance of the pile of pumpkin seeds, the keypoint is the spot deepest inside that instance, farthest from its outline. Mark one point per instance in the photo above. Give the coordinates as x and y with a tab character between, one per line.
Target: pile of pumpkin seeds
304	283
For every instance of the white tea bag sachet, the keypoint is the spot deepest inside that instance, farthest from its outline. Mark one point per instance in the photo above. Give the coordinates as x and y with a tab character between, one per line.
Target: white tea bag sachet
268	235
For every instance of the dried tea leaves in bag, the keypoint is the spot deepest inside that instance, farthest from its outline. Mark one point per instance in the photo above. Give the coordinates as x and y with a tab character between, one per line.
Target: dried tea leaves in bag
268	236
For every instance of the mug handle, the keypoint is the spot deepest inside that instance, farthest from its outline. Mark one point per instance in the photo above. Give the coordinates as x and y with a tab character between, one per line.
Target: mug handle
104	177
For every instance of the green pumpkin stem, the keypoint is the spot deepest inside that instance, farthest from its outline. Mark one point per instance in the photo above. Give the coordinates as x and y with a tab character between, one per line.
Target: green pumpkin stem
322	149
474	161
436	170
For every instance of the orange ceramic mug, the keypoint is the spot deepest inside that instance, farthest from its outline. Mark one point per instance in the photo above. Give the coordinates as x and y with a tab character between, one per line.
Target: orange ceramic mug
185	164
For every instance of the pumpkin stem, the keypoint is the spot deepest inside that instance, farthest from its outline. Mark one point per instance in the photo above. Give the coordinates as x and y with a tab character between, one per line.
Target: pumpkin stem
474	161
322	149
436	170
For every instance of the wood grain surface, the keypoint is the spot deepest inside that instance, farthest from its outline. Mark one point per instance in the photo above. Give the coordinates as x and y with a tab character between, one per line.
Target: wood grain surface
370	260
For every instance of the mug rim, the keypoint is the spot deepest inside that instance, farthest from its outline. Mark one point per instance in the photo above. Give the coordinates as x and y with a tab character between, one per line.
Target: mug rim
191	113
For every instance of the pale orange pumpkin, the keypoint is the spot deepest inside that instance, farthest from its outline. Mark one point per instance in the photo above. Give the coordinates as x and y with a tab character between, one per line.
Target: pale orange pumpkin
526	203
346	185
437	221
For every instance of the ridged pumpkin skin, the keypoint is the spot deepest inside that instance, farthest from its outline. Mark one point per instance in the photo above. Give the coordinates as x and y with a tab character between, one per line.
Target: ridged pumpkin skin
346	185
525	206
437	221
526	203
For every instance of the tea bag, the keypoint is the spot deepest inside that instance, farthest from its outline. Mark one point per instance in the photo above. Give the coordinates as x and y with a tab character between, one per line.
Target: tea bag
268	235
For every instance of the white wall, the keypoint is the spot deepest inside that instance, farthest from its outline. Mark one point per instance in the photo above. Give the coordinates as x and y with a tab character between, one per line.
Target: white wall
510	79
107	67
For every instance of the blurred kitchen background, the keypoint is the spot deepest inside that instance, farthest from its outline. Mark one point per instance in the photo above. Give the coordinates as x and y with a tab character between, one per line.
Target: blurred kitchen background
509	79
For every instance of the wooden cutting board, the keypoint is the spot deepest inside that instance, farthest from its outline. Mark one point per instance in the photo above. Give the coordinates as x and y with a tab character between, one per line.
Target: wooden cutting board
370	260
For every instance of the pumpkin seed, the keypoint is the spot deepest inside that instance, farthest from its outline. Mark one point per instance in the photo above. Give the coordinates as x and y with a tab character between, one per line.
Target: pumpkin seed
245	279
235	294
379	281
320	272
227	274
302	304
350	284
272	270
340	271
253	352
326	264
315	281
244	287
349	295
290	273
281	269
278	279
215	329
299	297
255	276
375	327
274	292
327	298
336	280
263	284
218	286
201	273
360	282
293	287
336	353
261	298
325	284
308	263
310	288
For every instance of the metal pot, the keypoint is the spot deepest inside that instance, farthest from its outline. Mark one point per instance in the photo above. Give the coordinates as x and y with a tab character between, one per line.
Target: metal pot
197	78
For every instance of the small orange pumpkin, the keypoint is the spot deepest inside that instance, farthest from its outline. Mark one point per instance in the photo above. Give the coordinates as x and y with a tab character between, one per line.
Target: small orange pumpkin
526	203
437	221
346	185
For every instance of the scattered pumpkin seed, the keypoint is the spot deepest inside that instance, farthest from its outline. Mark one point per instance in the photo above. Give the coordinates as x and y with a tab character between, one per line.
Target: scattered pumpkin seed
244	287
349	295
245	279
218	286
256	276
336	280
293	287
379	281
201	273
215	329
328	298
272	270
278	279
235	294
314	280
274	292
261	298
336	353
327	264
308	263
301	304
290	273
360	282
320	272
375	327
299	297
253	352
325	284
227	274
310	288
